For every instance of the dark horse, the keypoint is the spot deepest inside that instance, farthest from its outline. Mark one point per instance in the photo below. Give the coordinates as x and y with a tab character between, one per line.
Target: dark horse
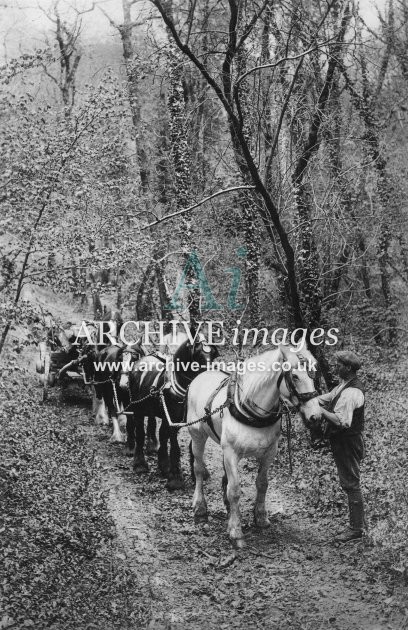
151	379
103	368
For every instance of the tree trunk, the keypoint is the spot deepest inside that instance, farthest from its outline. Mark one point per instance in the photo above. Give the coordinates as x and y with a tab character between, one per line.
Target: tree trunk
384	190
97	306
182	171
272	167
132	74
249	223
144	298
23	271
307	254
365	104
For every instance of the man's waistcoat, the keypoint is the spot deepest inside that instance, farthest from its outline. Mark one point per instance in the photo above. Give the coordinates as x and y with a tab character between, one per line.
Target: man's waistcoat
357	423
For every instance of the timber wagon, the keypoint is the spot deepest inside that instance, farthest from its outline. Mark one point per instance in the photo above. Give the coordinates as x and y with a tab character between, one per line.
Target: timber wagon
60	362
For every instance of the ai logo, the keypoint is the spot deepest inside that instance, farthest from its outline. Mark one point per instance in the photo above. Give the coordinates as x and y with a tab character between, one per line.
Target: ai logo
194	266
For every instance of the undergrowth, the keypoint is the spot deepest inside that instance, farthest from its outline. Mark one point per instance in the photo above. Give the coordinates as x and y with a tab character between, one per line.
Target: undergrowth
59	568
384	469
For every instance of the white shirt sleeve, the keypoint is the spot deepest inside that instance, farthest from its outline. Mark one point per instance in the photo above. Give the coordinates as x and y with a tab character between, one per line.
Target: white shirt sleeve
350	399
325	398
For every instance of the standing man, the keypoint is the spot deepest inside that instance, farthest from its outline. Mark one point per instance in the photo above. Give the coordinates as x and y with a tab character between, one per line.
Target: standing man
343	408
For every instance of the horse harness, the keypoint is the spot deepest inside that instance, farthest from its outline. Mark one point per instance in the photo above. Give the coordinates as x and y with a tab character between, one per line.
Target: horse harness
245	413
238	409
171	384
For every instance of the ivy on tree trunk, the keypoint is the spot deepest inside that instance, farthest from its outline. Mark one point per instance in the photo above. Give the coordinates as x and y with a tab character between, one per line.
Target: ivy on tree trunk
182	170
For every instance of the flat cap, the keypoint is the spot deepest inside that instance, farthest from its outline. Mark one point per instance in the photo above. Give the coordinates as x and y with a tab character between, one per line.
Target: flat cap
349	358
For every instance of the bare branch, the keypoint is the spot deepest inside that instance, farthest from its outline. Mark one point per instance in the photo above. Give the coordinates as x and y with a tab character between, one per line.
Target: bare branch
389	36
252	23
370	30
312	142
189	53
92	7
197	205
283	59
191	19
112	23
49	75
231	50
281	117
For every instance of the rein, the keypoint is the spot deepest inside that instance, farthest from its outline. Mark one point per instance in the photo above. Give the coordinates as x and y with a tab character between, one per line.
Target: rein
283	410
287	432
302	397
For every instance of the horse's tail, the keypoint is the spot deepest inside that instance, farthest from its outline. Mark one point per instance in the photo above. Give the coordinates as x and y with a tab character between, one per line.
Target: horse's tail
190	449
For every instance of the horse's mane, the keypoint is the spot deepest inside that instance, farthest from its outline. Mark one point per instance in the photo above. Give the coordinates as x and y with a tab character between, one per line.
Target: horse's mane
254	381
184	351
169	341
296	356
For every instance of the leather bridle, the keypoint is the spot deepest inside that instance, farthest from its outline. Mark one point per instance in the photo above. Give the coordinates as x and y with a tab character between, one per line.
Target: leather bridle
303	397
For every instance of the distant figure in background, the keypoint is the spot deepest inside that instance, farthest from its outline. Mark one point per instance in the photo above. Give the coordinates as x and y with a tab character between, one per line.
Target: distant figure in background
343	408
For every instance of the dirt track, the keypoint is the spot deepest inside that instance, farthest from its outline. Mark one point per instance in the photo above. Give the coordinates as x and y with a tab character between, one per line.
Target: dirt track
289	576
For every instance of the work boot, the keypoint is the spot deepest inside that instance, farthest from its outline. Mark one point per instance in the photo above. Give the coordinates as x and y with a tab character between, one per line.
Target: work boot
349	534
357	521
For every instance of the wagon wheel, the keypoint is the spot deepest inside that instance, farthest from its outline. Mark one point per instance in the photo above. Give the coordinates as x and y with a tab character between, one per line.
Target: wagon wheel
47	360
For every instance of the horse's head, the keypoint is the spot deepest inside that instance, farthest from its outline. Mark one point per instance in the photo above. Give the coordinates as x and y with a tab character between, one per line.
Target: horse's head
171	342
298	385
109	361
88	353
190	359
130	355
200	352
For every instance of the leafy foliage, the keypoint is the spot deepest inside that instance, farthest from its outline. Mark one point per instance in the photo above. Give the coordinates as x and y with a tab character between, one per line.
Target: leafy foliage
59	568
383	469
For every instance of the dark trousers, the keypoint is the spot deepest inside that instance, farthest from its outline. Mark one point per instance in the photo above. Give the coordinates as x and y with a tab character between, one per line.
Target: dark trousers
348	451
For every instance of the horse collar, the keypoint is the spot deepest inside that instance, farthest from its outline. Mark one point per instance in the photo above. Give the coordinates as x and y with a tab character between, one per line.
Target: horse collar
243	413
176	388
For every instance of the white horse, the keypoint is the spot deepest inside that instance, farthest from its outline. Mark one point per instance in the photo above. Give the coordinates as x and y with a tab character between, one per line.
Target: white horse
283	373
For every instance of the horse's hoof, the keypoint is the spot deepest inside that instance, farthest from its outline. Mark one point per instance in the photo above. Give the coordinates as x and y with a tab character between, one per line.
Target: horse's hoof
239	543
140	467
164	469
117	439
176	483
140	470
200	518
129	451
122	419
206	474
262	522
101	423
152	446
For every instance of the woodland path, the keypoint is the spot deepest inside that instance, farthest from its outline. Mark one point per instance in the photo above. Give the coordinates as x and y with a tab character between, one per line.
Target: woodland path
288	577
